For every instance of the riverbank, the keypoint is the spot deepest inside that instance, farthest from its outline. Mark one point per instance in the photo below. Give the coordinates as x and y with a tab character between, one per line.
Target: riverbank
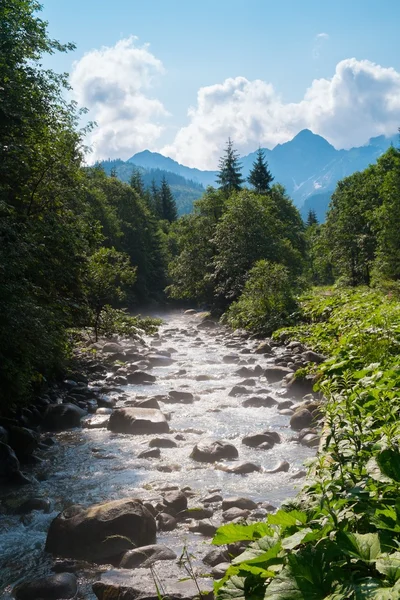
211	383
339	538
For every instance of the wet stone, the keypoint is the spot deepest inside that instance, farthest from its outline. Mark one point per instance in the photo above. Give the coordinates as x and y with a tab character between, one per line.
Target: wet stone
146	556
55	587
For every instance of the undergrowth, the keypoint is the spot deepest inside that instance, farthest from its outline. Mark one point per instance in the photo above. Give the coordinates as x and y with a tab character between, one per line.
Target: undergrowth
340	538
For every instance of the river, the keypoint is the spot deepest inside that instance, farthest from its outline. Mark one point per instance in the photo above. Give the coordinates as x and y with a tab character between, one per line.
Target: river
87	466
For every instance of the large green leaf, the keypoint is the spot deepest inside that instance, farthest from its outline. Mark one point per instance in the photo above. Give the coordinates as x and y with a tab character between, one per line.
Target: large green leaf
389	565
259	552
288	519
364	546
234	532
296	539
389	463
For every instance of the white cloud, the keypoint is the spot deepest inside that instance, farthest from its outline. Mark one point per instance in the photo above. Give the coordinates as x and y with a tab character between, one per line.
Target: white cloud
322	36
114	83
361	100
319	40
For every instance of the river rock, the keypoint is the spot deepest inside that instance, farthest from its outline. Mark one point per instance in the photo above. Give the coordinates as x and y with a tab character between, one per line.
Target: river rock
162	443
315	357
230	359
263	348
235	513
212	498
243	468
159	360
179	396
150	453
101	532
300	386
175	502
3	435
275	374
112	347
238	390
215	556
258	402
204	528
31	504
138	421
9	463
22	440
146	556
213	451
96	422
220	569
54	587
311	440
238	502
283	466
255	439
138	377
59	417
125	584
106	402
144	403
166	522
300	419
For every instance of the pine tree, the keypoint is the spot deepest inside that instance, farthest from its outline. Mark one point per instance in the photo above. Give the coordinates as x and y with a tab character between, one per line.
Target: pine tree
156	199
229	176
260	176
168	204
311	218
136	182
113	172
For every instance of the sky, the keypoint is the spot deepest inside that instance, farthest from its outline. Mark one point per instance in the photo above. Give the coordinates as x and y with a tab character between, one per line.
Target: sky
180	77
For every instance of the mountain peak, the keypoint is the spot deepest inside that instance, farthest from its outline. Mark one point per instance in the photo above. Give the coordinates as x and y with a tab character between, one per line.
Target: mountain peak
306	136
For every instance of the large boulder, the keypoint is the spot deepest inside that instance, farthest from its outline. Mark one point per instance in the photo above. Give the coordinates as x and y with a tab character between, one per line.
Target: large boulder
179	396
126	584
301	419
263	348
138	421
159	360
238	502
54	587
23	441
274	374
9	463
138	377
146	556
213	451
59	417
300	386
259	402
102	532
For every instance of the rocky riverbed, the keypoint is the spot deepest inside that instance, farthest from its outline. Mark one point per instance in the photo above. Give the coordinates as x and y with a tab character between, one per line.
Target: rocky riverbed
154	446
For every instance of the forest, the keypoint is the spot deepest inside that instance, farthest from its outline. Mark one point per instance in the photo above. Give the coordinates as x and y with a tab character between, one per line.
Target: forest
79	249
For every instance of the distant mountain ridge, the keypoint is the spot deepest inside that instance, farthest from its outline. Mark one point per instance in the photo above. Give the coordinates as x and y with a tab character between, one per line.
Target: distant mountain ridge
308	166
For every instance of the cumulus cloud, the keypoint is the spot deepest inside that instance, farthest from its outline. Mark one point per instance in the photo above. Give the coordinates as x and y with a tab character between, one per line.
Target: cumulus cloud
114	84
361	100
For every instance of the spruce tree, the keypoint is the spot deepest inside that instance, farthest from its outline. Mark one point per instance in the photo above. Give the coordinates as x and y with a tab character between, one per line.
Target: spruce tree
260	176
156	199
136	182
168	204
229	176
311	218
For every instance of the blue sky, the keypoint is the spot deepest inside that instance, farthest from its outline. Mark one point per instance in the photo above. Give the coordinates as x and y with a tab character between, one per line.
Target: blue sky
242	67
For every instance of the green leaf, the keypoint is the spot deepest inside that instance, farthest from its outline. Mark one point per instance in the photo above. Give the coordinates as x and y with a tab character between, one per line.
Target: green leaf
364	546
389	565
389	463
233	532
288	519
296	539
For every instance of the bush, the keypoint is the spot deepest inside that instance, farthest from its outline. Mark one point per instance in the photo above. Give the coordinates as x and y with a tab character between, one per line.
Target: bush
267	301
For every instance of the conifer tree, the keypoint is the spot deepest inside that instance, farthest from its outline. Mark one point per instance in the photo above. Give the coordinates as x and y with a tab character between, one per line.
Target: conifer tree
113	172
229	176
136	182
311	218
168	204
260	176
156	199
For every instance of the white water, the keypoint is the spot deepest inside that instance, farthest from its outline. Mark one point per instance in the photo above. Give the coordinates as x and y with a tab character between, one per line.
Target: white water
91	466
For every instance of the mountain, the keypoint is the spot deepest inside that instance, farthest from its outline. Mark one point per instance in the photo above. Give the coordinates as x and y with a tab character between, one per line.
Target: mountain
154	160
185	191
308	167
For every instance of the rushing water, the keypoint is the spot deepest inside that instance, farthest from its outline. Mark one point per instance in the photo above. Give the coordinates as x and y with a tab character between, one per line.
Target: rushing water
93	465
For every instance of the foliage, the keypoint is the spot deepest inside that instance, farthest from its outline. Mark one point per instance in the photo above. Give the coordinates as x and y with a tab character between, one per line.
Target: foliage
260	176
229	176
267	301
341	541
